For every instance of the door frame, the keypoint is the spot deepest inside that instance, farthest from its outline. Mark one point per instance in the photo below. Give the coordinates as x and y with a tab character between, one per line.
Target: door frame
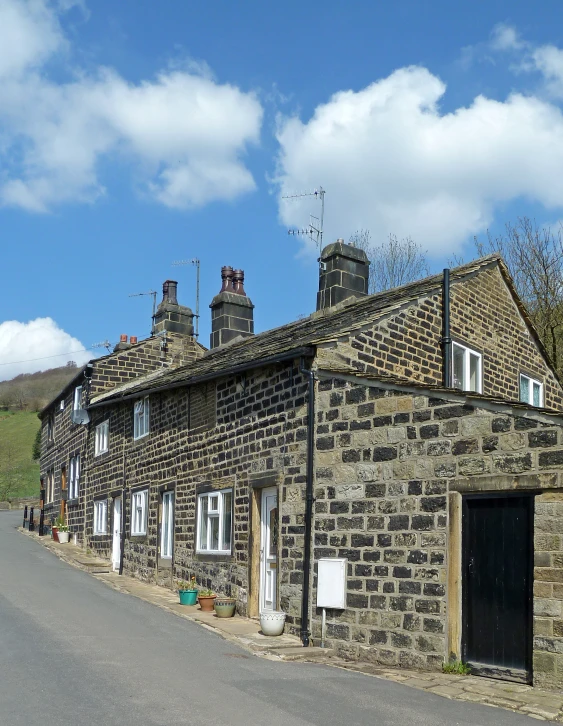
494	671
265	492
172	494
257	482
121	527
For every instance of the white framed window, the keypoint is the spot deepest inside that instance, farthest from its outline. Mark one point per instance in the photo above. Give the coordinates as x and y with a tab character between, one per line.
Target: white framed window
531	391
101	516
139	512
214	522
74	478
50	427
466	368
167	525
101	443
50	490
77	400
141	418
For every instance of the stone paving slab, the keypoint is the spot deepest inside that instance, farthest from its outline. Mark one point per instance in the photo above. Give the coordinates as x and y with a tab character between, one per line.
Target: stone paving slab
533	702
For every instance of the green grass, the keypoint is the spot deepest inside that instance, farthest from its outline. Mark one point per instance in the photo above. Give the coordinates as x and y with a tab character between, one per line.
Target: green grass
19	474
456	667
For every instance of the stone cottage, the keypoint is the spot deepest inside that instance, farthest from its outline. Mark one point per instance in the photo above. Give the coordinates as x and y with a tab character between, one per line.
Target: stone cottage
415	434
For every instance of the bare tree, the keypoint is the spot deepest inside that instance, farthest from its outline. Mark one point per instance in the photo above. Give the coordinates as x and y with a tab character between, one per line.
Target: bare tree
534	257
393	263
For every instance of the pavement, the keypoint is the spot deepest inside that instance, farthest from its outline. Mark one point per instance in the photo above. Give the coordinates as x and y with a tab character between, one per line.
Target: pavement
245	633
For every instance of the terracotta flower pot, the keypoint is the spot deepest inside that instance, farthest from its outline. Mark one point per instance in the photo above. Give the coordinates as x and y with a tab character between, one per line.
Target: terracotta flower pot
206	603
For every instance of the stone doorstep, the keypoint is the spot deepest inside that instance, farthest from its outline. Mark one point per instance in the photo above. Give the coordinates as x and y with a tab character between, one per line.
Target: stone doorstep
541	705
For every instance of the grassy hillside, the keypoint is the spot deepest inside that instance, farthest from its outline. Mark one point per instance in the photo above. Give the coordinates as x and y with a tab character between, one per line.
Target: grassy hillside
19	474
33	391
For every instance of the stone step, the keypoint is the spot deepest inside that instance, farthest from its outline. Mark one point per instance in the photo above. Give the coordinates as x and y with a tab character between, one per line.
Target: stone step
300	653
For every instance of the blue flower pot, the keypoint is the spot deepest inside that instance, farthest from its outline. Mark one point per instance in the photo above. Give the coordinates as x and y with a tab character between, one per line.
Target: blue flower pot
188	597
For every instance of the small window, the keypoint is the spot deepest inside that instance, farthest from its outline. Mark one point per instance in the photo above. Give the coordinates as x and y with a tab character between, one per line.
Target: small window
50	491
77	401
141	418
101	517
466	368
139	512
50	427
74	478
214	522
531	391
102	438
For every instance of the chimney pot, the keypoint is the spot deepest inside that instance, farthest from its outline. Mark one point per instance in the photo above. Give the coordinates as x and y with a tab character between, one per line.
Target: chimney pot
133	340
170	292
227	278
238	282
122	338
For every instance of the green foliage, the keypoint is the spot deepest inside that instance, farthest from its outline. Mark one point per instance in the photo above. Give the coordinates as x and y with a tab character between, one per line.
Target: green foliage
19	474
456	667
36	448
187	584
206	593
33	391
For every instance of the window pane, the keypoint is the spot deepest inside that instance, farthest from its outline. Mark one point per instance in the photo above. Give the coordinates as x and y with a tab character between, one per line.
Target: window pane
536	388
227	503
214	503
474	372
524	389
214	527
204	502
458	356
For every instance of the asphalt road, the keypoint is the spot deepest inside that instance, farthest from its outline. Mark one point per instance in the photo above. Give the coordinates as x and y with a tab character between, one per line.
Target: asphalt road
73	651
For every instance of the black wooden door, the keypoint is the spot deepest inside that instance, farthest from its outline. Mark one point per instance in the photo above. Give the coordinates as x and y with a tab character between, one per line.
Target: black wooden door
497	585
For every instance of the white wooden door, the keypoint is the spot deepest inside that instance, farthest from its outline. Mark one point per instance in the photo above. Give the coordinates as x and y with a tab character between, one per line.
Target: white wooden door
269	549
116	549
166	532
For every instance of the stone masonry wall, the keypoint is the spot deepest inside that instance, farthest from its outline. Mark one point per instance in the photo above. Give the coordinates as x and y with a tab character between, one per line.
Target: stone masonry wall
483	316
385	464
260	427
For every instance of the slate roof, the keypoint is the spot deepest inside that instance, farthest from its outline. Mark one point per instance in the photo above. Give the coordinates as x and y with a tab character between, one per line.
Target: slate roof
301	336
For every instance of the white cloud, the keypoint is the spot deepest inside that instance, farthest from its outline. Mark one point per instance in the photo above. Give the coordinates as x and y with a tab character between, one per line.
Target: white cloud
505	37
183	133
36	346
393	163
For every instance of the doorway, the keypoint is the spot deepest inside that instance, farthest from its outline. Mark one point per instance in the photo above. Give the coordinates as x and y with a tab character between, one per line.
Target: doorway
269	549
497	547
116	546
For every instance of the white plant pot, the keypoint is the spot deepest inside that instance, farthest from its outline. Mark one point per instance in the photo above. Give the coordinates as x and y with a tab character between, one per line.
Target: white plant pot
272	622
64	537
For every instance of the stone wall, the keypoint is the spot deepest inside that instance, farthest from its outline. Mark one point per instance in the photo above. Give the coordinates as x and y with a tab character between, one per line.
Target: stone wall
484	317
385	463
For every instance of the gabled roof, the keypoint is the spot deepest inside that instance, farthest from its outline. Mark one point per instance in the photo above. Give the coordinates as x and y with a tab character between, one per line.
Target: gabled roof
301	336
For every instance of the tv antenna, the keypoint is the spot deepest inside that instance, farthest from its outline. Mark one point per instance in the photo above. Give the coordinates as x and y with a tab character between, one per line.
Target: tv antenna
154	294
196	262
314	230
103	344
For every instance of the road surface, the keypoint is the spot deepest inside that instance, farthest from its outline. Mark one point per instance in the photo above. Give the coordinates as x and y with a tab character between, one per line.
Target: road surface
73	651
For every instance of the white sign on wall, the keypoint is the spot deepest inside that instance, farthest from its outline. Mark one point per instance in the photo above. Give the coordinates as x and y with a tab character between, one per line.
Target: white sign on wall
331	583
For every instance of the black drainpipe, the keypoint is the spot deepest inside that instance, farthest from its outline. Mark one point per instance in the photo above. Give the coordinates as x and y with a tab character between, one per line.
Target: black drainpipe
305	634
446	339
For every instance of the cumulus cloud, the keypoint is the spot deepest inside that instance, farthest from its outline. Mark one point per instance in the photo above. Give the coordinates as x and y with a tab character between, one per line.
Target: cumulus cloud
35	346
394	163
183	133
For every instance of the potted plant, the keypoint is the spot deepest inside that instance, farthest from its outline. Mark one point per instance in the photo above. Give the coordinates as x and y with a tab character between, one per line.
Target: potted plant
225	606
187	591
63	533
206	599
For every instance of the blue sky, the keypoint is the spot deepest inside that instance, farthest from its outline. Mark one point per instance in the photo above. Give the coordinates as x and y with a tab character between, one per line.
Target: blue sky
135	134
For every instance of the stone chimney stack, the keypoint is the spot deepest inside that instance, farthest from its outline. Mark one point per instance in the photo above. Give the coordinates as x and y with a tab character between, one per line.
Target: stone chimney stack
171	316
232	313
344	273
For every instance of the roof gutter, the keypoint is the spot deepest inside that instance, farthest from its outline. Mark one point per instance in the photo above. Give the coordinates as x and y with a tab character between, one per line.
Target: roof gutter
306	352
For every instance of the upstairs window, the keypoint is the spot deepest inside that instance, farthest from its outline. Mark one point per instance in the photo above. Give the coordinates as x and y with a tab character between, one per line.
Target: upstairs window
101	444
214	522
77	401
50	490
101	516
466	368
141	418
74	478
531	391
50	427
139	512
